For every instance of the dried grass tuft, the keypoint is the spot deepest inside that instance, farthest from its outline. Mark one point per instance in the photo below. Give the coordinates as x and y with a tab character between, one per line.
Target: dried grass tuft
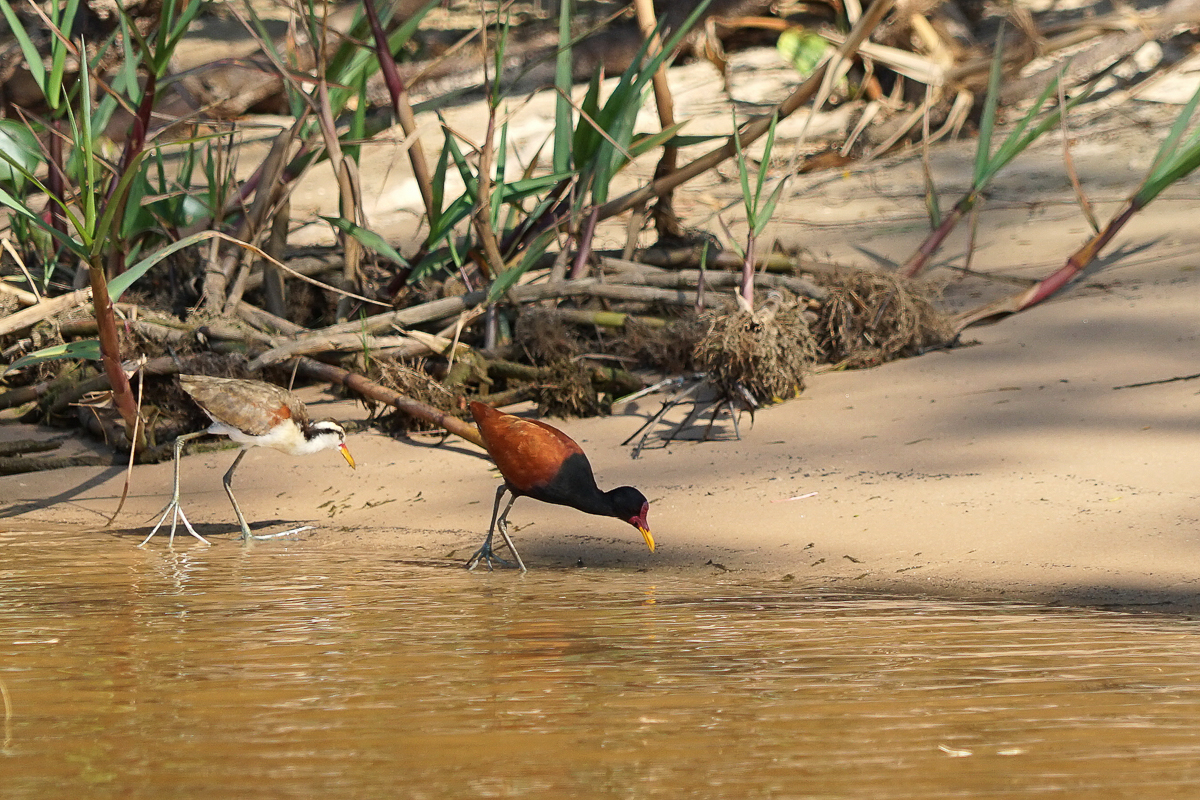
870	318
766	352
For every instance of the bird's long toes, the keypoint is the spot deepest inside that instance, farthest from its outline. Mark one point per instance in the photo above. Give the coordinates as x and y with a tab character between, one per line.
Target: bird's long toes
487	556
291	532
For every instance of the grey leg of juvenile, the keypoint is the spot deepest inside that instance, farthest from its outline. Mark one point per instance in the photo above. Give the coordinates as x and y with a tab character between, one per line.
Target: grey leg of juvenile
174	505
246	534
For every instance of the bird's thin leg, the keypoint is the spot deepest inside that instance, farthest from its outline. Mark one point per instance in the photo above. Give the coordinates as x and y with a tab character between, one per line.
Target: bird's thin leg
227	481
174	505
502	526
485	552
246	534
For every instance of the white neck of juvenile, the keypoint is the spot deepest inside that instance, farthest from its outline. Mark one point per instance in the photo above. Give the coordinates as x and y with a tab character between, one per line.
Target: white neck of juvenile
289	438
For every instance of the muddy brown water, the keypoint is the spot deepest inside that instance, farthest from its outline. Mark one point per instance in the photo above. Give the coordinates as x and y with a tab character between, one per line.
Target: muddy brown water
281	670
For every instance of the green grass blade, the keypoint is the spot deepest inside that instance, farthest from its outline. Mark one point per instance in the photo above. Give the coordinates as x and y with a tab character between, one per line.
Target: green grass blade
1182	161
367	238
768	208
18	145
743	173
509	277
586	139
101	232
86	348
563	79
470	182
498	181
987	122
438	189
766	159
58	51
118	285
1167	148
643	143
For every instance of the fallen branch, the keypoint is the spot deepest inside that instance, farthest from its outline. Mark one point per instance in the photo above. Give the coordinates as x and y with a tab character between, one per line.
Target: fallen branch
28	317
619	381
18	465
342	343
23	394
604	319
27	446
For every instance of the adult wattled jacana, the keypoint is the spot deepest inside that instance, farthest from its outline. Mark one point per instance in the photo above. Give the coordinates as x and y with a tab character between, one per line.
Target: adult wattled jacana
540	461
253	414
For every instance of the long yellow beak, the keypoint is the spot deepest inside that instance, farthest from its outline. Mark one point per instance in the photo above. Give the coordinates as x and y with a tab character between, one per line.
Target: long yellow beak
350	459
646	535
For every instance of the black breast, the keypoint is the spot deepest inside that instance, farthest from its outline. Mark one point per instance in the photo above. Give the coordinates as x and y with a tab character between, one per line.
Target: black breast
573	485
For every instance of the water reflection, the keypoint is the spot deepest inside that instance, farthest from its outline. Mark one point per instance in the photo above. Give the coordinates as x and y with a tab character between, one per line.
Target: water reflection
287	670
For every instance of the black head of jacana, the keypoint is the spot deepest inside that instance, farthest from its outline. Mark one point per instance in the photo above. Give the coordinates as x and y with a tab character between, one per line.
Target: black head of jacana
632	506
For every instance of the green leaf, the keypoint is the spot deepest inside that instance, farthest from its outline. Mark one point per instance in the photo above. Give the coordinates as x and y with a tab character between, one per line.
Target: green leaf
764	165
367	238
470	182
563	80
19	153
118	285
87	348
497	198
768	208
438	189
802	49
58	51
1167	149
586	139
645	142
743	173
507	279
102	231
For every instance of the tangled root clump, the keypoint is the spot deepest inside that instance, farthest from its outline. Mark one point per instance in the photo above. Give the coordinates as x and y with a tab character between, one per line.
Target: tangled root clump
670	349
548	342
766	352
870	318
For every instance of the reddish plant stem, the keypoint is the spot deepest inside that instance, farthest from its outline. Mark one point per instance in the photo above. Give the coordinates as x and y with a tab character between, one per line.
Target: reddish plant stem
56	181
1049	286
747	287
401	105
1079	260
921	257
584	250
110	356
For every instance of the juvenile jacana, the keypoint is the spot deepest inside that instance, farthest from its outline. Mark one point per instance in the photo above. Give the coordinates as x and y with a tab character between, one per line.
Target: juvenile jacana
540	461
253	414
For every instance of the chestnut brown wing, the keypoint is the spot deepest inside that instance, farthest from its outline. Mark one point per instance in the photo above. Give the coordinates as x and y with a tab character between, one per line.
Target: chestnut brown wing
529	453
253	406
